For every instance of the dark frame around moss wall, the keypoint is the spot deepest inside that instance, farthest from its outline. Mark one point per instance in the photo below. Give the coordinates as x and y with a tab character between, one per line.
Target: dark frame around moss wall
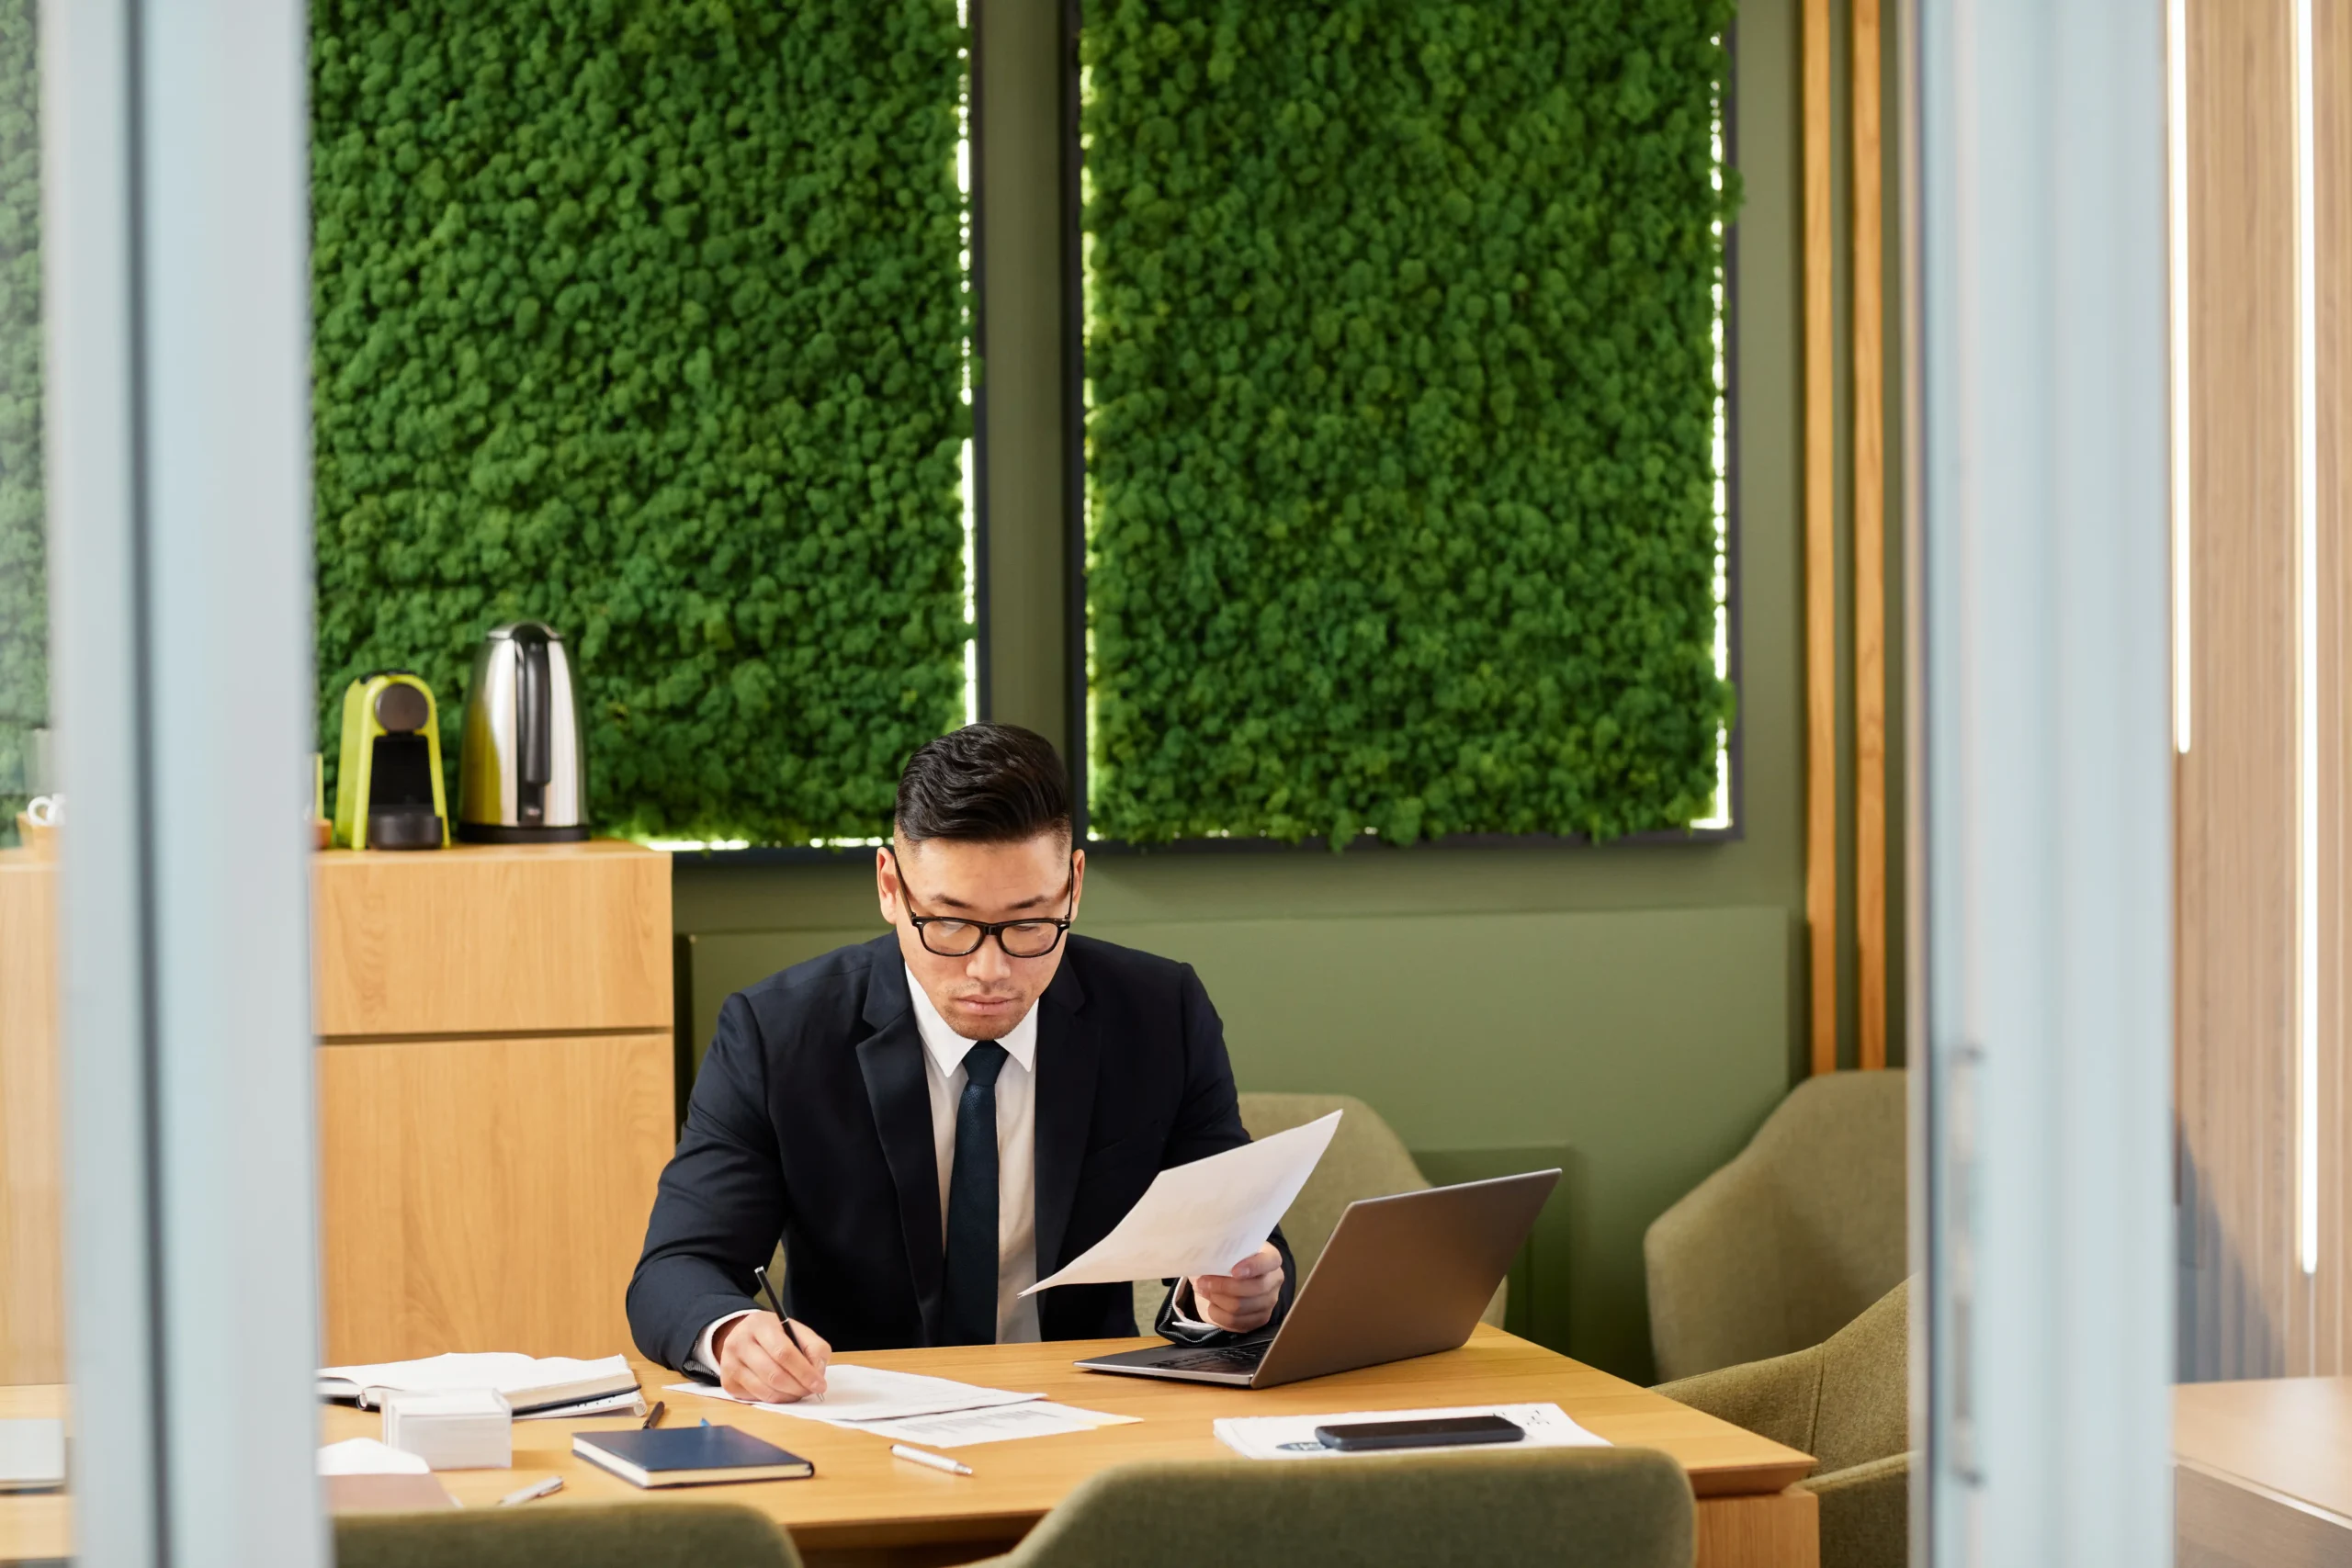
1074	517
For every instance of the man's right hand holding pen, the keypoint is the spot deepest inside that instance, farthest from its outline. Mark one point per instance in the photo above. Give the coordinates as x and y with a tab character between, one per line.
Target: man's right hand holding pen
767	1356
759	1358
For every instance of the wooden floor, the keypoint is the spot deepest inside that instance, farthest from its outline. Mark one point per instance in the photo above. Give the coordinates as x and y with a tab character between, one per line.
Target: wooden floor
865	1507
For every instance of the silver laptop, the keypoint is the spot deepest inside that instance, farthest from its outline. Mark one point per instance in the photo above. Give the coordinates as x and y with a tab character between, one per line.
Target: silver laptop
1402	1276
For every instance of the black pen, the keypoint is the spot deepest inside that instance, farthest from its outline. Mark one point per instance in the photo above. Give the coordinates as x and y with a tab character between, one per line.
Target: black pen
653	1416
776	1305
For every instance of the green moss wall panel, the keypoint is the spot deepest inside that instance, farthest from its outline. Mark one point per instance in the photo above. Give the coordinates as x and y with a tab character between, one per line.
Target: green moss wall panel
647	318
24	601
1470	1031
1399	435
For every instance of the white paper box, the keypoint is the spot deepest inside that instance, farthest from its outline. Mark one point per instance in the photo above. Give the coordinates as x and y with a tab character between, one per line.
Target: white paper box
452	1429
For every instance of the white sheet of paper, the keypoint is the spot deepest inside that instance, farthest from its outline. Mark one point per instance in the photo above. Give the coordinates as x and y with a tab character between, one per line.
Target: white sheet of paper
855	1394
1204	1217
1003	1423
365	1456
1293	1437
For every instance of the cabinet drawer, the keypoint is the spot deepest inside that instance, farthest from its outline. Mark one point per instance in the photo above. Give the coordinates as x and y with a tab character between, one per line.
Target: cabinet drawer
493	939
487	1194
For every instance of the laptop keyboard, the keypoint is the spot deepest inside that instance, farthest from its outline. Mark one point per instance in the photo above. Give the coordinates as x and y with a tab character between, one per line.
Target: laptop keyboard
1231	1360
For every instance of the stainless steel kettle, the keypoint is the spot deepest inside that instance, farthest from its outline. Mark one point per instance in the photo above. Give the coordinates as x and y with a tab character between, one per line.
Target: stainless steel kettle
522	771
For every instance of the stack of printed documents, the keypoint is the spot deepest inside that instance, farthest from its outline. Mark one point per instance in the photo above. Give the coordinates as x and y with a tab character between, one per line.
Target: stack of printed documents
907	1407
542	1387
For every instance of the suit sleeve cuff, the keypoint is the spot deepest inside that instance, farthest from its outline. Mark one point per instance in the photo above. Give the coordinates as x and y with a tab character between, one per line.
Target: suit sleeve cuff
1181	1313
704	1363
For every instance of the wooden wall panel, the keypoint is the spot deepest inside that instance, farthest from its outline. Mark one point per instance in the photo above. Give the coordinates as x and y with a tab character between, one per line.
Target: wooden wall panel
2330	1323
2251	1310
1869	540
1845	473
454	1221
2236	795
33	1314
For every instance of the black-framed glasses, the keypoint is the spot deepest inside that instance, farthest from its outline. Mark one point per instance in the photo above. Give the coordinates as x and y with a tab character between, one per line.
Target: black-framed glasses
953	938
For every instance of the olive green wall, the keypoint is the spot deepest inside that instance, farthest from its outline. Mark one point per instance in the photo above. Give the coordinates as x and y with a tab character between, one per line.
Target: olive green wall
1636	1003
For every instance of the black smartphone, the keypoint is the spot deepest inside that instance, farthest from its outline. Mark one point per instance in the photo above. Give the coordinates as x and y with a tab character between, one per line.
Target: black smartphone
1357	1436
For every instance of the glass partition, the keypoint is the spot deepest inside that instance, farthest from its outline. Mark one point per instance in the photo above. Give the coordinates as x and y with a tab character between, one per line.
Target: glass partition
157	1266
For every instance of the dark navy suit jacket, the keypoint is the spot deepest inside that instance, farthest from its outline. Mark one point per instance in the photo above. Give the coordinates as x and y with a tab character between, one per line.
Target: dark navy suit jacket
811	1120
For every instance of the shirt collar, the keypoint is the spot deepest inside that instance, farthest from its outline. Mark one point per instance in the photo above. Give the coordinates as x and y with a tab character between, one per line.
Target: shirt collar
946	1048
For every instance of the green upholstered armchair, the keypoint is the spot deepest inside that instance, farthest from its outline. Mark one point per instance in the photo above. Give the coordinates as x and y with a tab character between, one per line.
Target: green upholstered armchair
687	1535
1366	1159
1796	1235
1553	1508
1847	1402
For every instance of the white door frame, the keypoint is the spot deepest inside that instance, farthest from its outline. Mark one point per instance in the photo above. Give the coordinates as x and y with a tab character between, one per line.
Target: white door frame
176	269
2038	256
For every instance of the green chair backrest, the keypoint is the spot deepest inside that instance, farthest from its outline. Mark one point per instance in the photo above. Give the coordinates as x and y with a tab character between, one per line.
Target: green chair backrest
1552	1508
1366	1159
556	1535
1790	1241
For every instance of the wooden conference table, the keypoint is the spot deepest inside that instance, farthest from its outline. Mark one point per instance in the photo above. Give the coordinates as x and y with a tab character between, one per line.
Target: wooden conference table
2263	1474
865	1508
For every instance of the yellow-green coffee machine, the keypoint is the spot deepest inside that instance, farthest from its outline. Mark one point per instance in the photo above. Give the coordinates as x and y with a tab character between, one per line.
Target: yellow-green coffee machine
388	787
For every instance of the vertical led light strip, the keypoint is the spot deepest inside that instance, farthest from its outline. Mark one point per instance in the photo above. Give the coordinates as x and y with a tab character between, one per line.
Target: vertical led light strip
2176	179
971	478
2306	658
1719	815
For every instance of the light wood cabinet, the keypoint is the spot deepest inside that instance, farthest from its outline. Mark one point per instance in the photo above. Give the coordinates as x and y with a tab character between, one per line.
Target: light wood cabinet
32	1316
495	1082
495	1094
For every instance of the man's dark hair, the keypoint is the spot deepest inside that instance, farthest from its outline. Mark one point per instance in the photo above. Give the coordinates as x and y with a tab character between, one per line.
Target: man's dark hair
985	783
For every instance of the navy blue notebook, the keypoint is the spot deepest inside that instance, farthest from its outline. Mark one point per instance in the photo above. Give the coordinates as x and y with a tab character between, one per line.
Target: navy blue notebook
689	1456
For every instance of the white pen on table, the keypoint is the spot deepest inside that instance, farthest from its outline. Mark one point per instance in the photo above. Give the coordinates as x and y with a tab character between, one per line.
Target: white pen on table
553	1483
936	1461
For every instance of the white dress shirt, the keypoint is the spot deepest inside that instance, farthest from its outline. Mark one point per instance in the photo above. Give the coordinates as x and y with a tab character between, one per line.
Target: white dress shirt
1016	1168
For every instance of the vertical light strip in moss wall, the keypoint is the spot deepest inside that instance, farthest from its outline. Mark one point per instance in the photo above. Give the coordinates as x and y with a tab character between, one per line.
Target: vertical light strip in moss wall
1400	418
647	319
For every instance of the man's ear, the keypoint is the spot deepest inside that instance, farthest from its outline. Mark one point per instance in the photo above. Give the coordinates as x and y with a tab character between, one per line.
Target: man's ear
886	887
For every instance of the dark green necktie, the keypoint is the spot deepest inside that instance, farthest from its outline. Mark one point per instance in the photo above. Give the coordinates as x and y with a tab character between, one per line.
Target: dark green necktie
971	1202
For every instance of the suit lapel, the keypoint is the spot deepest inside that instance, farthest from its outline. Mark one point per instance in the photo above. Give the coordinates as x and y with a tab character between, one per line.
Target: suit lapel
891	1061
1068	1056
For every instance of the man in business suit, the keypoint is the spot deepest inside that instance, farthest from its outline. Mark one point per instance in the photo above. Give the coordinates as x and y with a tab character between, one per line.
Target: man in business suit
935	1120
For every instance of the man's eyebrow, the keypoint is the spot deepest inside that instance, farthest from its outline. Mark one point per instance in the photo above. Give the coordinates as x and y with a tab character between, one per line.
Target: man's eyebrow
946	902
